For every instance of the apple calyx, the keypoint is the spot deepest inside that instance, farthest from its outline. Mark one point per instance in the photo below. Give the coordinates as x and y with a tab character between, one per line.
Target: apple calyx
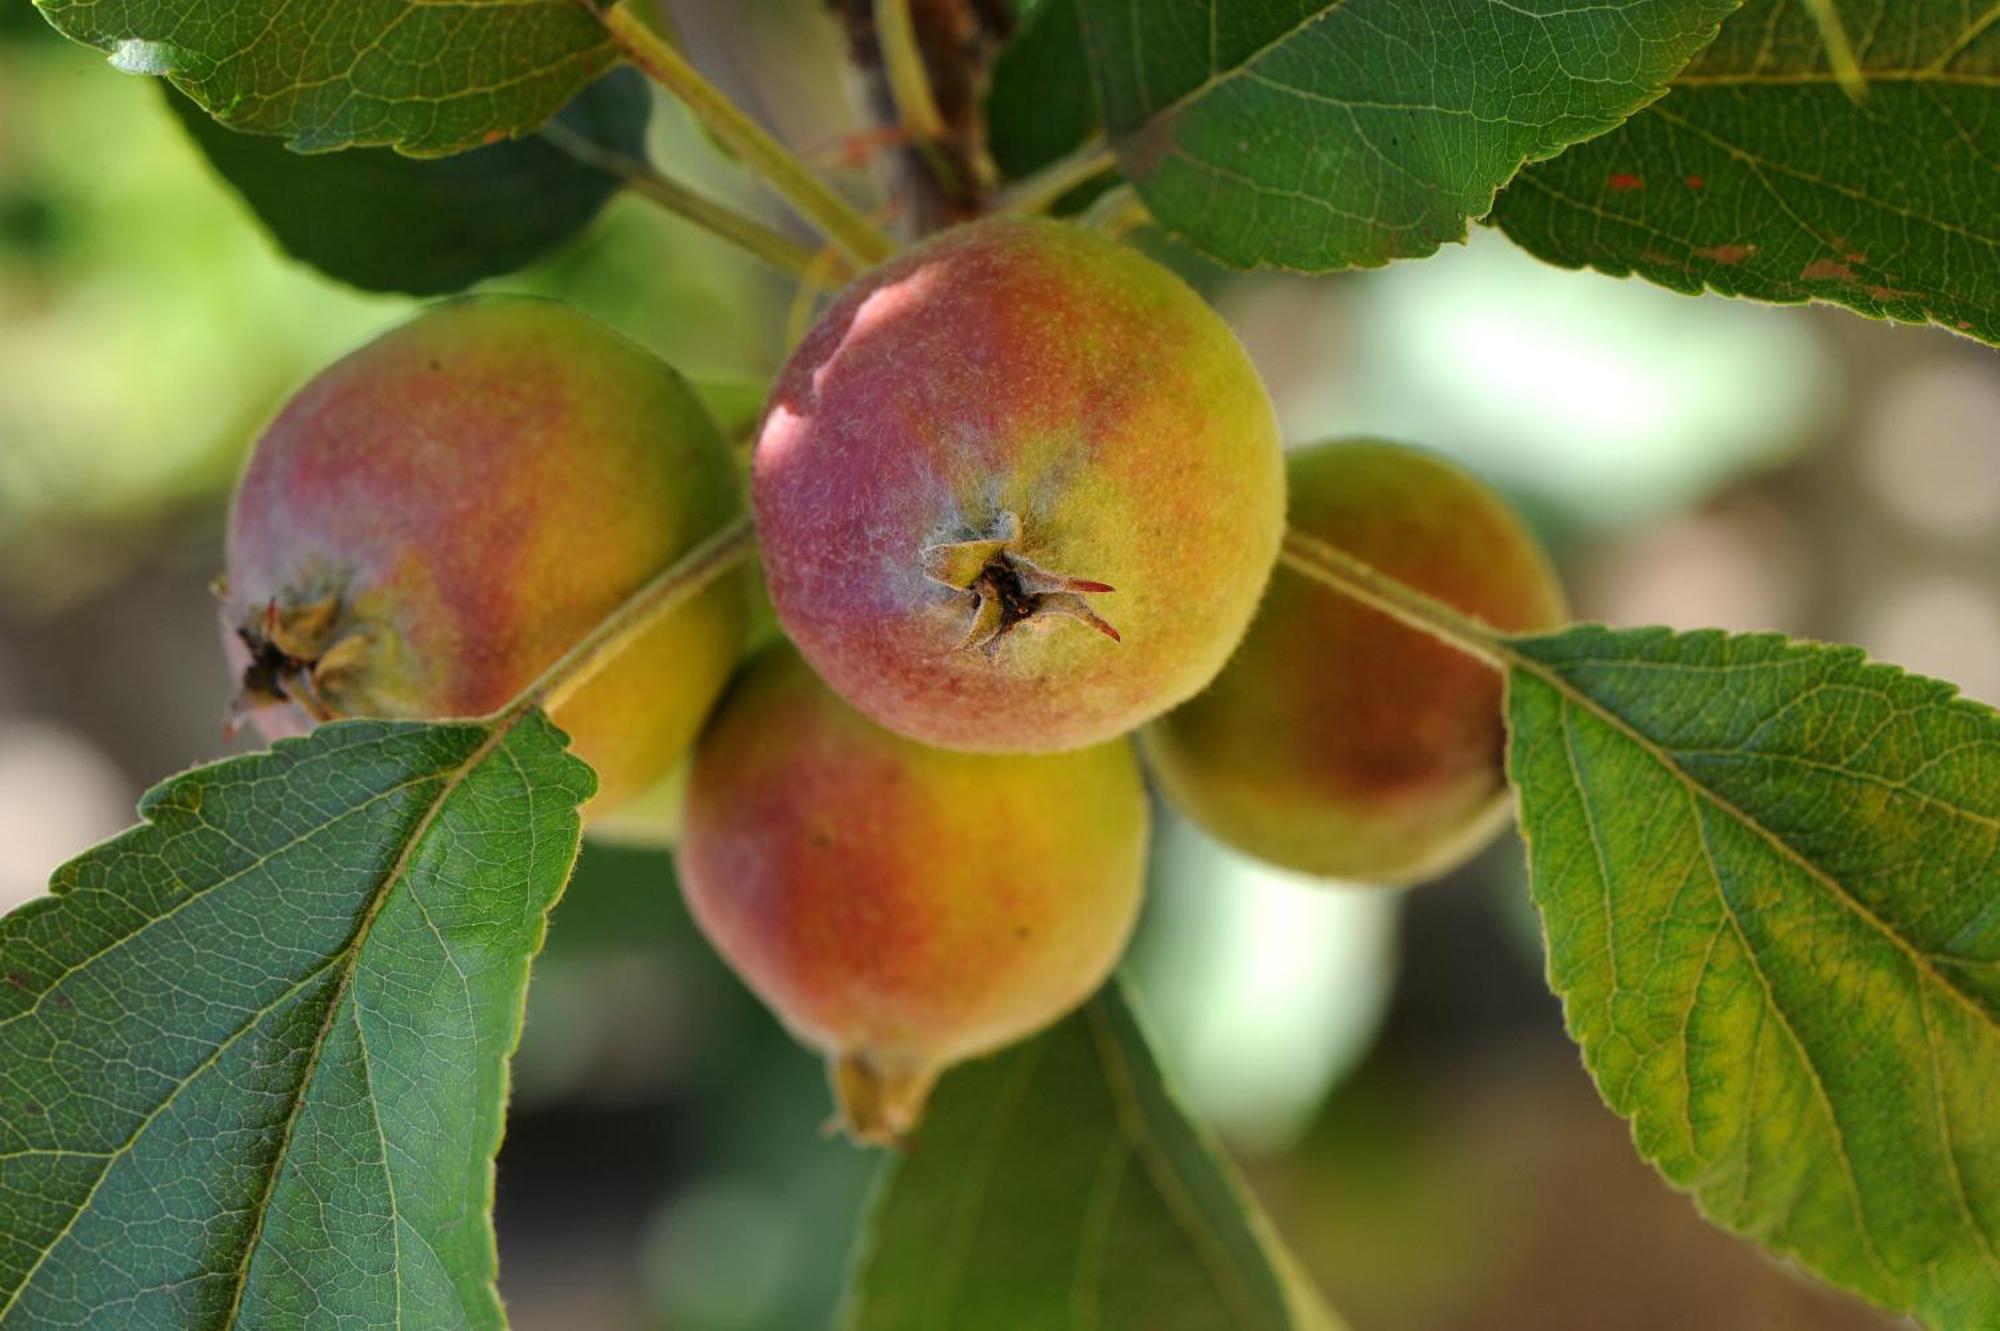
1008	589
879	1100
299	653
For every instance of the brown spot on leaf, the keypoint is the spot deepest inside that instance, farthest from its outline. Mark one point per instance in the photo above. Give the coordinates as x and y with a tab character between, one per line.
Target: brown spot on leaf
1697	182
1827	270
16	979
1727	254
1656	258
1624	182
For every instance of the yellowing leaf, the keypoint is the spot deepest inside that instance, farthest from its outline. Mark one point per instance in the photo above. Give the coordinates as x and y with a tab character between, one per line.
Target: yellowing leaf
1769	874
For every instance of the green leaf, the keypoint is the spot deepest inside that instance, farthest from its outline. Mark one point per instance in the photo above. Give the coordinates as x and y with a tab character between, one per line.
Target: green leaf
1039	105
428	78
1320	134
1758	176
253	1052
1060	1185
1769	875
385	222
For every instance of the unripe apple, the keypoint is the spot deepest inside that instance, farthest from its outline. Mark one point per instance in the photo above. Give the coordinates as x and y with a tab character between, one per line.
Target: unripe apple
903	907
438	516
1338	742
1019	489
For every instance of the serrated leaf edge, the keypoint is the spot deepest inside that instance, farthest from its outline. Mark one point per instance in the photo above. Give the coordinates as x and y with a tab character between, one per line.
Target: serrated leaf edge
1424	249
1946	695
451	780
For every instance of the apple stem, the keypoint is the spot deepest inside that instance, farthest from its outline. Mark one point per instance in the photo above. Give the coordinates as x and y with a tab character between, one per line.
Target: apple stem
1038	193
859	239
649	183
1328	564
670	588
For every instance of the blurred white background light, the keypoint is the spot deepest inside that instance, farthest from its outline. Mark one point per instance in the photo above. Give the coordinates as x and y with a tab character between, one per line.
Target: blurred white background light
1262	987
58	794
1617	400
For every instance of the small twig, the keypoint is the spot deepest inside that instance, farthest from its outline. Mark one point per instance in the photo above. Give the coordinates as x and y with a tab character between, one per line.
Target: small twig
1038	193
643	179
922	124
672	587
928	63
816	201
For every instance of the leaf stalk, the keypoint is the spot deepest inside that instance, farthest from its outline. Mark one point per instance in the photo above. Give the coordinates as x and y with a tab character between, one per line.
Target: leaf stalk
646	181
860	240
669	589
1329	565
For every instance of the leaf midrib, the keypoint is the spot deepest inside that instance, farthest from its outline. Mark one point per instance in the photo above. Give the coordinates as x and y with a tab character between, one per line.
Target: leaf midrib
112	1157
1166	1180
1215	78
1549	677
1817	77
206	889
1133	1138
1759	163
261	1209
1857	1202
962	1229
1247	65
451	776
1733	925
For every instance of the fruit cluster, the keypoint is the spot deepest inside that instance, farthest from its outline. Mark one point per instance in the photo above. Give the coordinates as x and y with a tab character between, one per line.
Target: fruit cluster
1019	495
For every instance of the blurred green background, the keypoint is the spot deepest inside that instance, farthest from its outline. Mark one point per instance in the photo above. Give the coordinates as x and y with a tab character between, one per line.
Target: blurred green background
1389	1066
